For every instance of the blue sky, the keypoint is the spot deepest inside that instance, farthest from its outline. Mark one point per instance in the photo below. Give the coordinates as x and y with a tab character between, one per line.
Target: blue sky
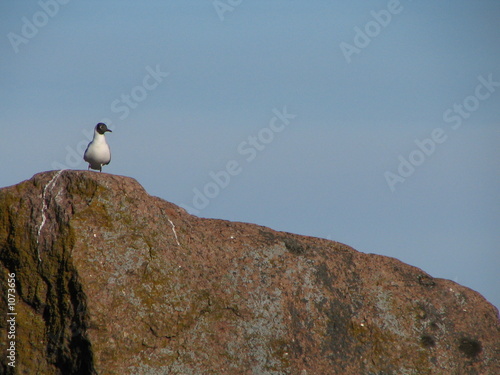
192	91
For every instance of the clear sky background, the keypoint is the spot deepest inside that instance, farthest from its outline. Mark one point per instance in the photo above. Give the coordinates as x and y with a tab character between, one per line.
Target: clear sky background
360	83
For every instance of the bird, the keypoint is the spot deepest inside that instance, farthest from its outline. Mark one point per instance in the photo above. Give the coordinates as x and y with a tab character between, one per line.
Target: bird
98	153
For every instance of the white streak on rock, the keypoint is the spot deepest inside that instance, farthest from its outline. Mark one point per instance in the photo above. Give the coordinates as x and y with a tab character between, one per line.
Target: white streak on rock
175	233
46	188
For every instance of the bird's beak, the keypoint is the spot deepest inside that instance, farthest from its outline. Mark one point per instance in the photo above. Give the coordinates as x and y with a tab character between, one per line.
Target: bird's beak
107	130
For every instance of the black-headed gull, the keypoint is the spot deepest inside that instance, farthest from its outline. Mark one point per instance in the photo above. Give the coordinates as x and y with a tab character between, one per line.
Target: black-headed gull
98	153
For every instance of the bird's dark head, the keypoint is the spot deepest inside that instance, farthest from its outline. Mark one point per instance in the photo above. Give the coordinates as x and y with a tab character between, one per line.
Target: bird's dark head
101	128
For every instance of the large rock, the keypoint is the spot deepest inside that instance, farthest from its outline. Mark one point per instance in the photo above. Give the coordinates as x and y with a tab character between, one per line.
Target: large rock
110	280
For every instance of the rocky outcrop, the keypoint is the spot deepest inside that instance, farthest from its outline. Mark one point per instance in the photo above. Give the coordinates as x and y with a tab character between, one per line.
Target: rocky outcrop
110	280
